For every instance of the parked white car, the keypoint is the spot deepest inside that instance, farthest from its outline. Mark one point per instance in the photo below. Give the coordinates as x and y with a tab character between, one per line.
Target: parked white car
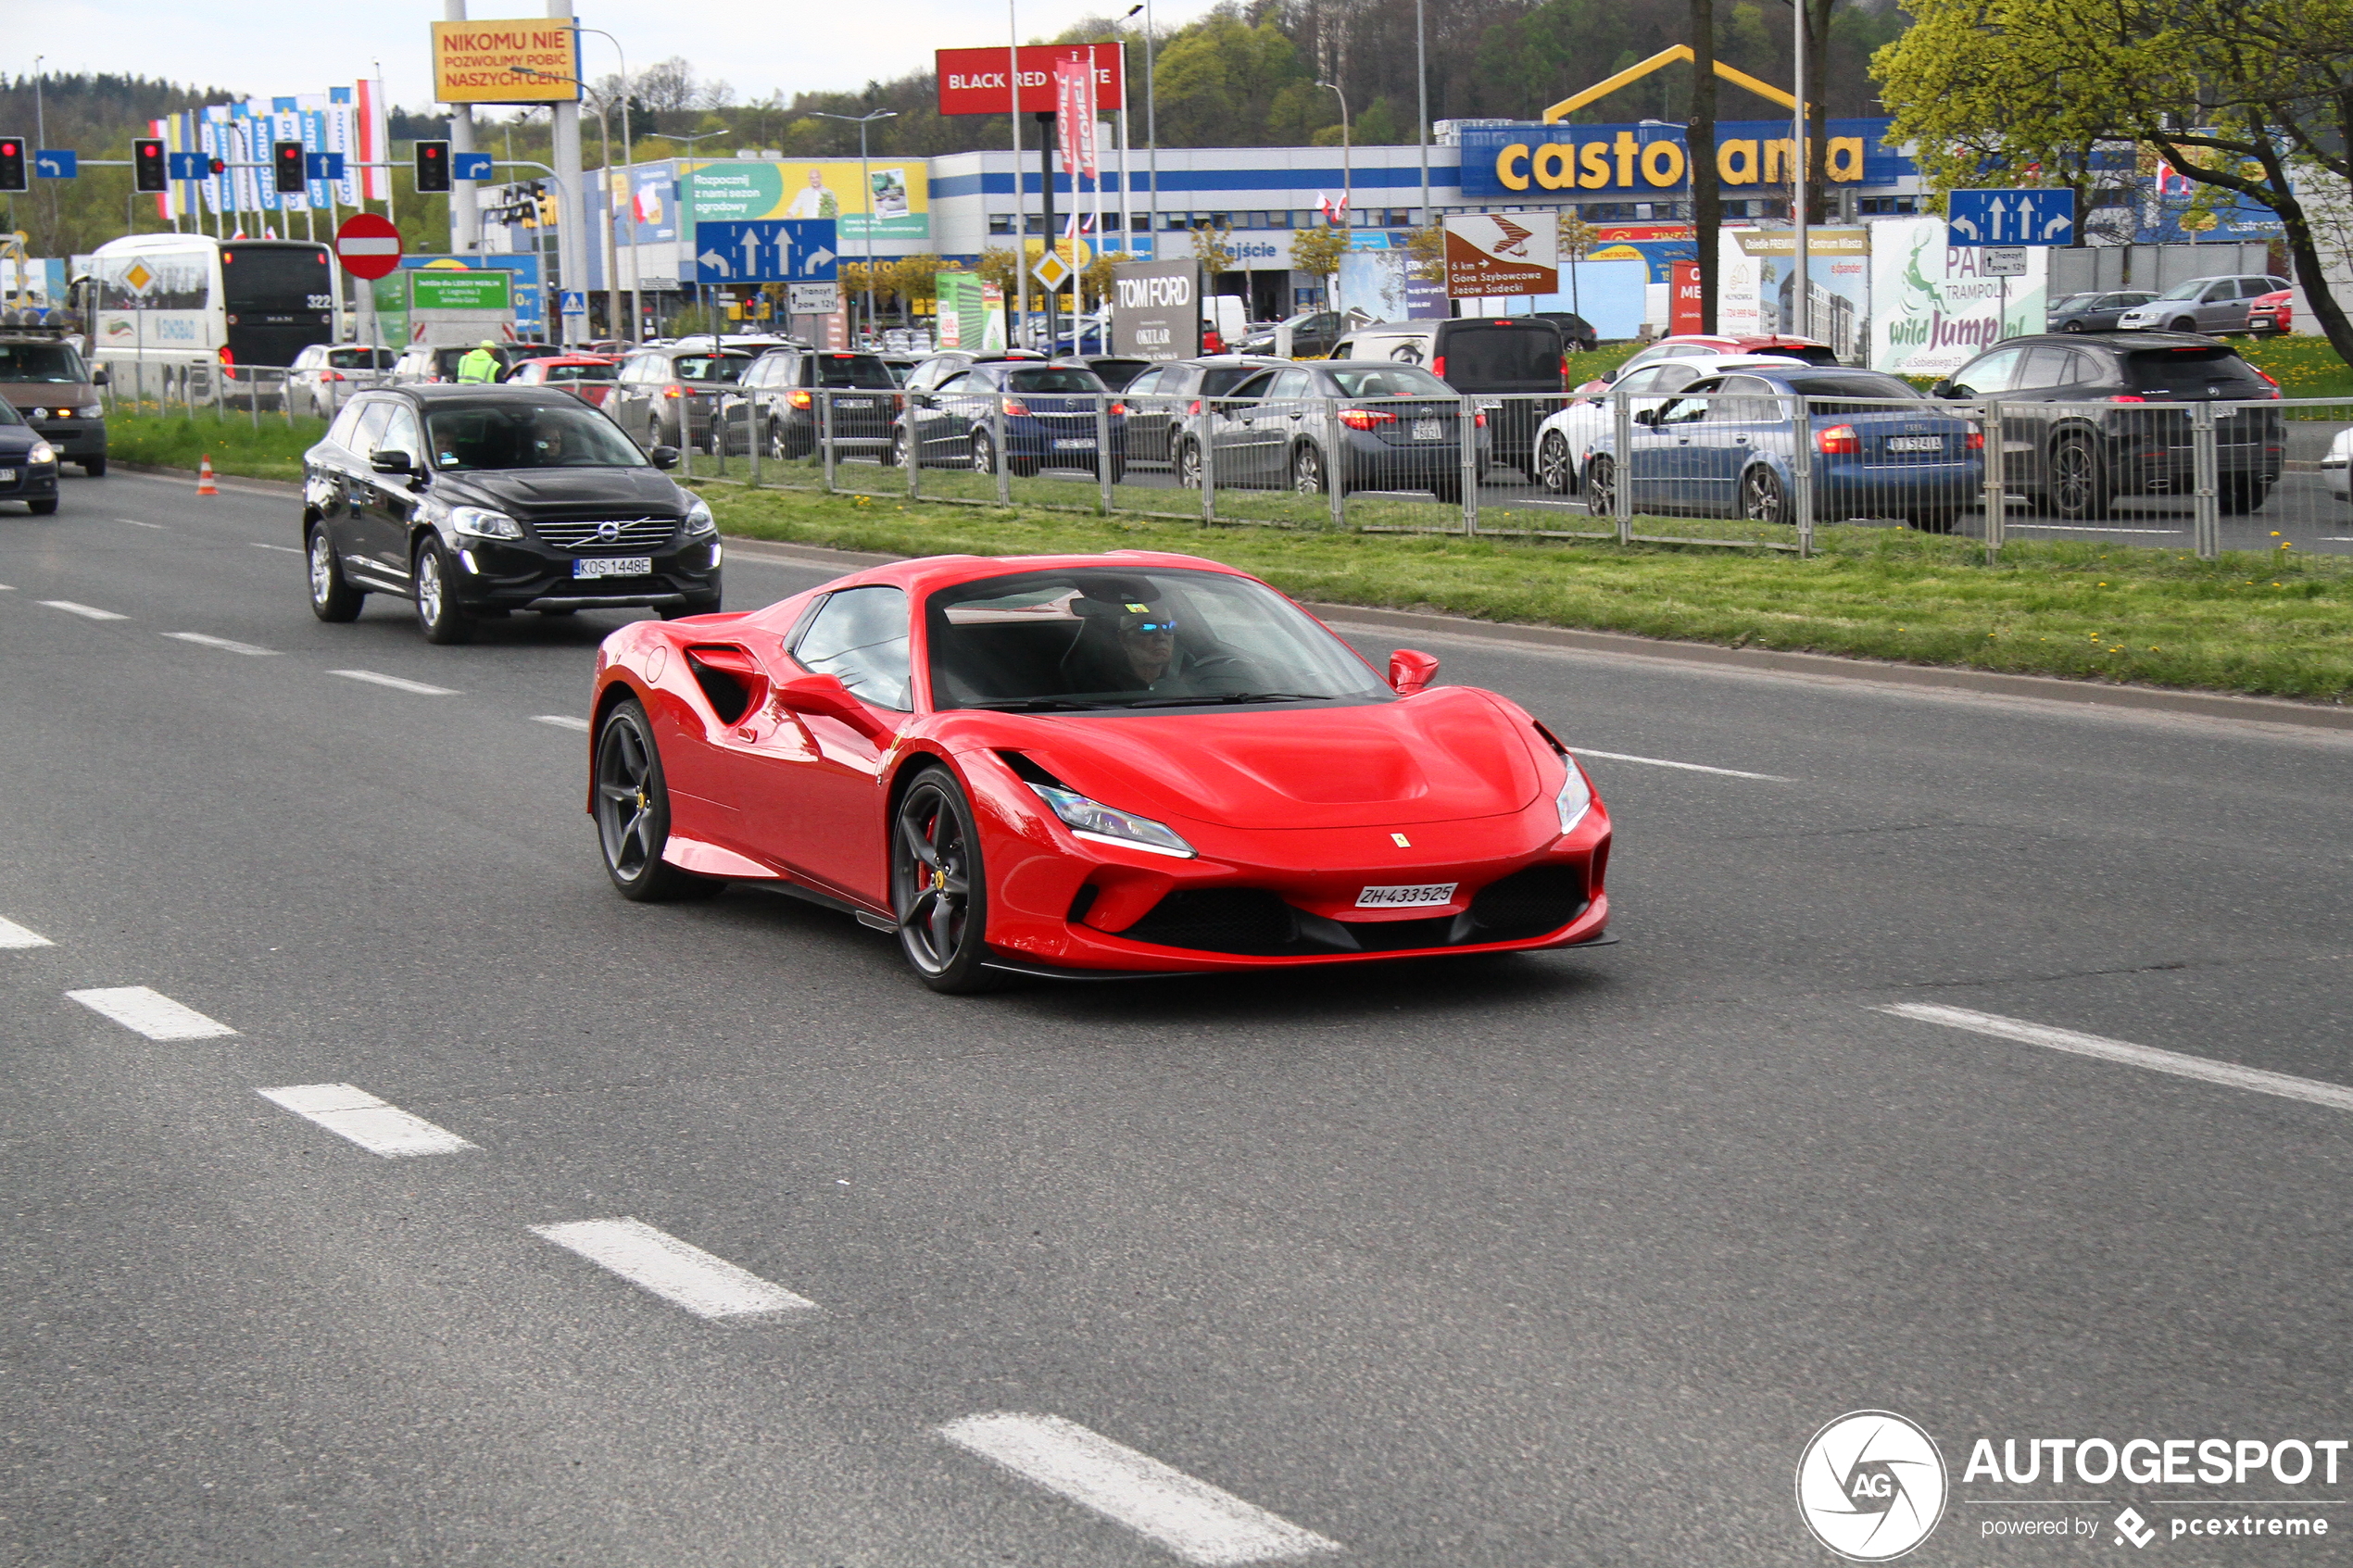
1564	441
2337	469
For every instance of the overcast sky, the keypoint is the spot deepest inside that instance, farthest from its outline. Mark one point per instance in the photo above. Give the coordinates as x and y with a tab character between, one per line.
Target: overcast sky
266	47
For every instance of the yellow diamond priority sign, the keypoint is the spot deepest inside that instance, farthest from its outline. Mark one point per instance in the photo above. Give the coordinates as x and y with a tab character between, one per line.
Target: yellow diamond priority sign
1052	272
138	278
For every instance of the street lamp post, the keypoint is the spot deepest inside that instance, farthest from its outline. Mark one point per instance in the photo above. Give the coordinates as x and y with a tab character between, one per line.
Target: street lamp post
1151	129
604	134
629	160
1347	162
861	121
1421	92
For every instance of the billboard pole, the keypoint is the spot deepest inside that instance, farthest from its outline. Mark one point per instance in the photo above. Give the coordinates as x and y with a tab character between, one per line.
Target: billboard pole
1021	214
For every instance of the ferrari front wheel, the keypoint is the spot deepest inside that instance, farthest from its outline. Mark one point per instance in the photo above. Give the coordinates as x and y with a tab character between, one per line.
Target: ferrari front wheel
937	887
633	811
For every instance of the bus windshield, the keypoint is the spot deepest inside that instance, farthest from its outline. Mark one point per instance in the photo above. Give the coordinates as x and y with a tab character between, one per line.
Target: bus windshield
273	278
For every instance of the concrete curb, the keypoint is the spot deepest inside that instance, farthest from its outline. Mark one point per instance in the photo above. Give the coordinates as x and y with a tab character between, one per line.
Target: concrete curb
2046	688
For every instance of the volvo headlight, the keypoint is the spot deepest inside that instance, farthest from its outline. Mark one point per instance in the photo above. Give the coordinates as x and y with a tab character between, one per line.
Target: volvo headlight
479	522
1092	819
1575	797
42	453
699	518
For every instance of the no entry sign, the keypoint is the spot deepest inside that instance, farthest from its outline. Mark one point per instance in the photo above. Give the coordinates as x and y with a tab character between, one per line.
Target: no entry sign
368	246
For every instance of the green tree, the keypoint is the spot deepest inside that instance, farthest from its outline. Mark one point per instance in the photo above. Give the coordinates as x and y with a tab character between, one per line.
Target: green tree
2253	99
1318	251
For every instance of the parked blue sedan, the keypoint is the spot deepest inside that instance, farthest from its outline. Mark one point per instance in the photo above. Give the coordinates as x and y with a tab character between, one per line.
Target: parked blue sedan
1725	448
958	422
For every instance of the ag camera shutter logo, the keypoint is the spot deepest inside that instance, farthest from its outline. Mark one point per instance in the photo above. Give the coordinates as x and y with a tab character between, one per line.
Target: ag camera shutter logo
1872	1486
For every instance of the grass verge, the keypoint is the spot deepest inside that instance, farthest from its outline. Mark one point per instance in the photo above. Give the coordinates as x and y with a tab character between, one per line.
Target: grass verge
2275	624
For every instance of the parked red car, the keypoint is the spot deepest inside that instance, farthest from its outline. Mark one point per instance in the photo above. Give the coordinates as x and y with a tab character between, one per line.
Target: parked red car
1088	766
587	376
2272	313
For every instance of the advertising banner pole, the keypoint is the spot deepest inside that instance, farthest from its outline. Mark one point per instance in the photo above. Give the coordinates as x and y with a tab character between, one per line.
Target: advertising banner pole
1021	216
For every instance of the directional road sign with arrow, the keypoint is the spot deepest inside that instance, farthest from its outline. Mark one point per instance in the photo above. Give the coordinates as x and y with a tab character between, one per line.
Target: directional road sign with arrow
56	163
767	250
2009	218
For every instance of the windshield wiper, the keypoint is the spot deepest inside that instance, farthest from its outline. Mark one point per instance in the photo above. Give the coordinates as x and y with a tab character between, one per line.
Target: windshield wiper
1035	704
1219	697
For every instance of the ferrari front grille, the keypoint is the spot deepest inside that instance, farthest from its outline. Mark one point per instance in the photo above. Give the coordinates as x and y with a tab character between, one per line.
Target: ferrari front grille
1217	920
1529	902
633	536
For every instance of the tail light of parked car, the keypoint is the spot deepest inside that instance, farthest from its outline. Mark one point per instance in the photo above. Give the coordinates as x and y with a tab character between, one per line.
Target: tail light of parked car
2127	397
1838	440
1366	419
1116	410
1976	439
798	399
674	392
1014	408
1438	367
1194	406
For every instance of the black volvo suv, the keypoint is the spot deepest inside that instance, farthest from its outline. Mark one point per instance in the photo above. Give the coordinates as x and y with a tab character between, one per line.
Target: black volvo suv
474	501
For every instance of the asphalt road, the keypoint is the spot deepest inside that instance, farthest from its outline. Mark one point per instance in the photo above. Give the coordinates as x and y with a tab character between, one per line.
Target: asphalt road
1532	1262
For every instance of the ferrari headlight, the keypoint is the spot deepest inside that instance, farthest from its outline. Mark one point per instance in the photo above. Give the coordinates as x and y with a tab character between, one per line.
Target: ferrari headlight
699	519
1575	797
1092	819
42	453
478	522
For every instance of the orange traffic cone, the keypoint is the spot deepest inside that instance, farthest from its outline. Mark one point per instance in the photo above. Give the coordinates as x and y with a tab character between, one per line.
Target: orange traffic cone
204	478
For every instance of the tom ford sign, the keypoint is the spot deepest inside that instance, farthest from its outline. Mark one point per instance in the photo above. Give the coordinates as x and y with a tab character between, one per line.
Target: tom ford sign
1541	162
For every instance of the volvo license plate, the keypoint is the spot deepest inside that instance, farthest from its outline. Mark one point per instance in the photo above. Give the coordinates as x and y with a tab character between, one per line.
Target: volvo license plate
614	566
1915	443
1427	430
1416	897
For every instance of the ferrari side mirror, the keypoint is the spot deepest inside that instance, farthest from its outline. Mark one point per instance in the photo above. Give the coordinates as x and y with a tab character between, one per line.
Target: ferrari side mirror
1411	670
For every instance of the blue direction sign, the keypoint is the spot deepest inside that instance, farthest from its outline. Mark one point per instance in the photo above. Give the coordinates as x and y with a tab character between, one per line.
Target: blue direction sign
325	166
56	163
768	250
469	165
2009	218
188	166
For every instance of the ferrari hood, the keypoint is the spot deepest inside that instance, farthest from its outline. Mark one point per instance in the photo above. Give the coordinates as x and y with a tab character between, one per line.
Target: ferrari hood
1449	753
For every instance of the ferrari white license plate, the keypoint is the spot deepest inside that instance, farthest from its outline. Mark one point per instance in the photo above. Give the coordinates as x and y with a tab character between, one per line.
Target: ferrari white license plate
1074	444
614	566
1427	430
1915	443
1407	897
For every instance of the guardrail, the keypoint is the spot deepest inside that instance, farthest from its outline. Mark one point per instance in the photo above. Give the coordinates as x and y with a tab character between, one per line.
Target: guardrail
1758	471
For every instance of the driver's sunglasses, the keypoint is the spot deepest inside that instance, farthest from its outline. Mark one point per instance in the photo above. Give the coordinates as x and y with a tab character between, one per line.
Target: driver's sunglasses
1145	627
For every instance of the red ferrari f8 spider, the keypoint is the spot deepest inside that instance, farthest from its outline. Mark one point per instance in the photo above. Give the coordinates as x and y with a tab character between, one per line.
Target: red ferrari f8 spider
1086	766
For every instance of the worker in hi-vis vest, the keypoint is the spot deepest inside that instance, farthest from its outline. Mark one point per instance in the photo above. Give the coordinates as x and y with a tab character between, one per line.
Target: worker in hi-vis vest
480	364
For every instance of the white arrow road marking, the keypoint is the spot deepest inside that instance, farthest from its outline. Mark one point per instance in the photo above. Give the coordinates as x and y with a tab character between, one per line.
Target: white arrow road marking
1198	1522
15	935
151	1013
2336	1096
393	682
678	1273
373	1124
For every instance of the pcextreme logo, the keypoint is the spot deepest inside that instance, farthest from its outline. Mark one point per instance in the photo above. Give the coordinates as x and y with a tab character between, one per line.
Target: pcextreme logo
1872	1486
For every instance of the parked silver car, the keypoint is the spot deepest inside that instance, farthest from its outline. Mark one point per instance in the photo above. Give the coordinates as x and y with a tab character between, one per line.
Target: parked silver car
2200	305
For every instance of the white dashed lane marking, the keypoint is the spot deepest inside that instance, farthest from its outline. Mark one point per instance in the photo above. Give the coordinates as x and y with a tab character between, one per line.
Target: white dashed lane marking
15	935
2230	1075
372	1123
136	523
89	611
395	682
151	1013
259	545
680	1273
223	643
1198	1522
561	722
1687	767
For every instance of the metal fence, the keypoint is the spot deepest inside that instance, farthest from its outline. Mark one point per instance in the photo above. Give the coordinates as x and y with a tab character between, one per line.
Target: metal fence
258	391
1740	471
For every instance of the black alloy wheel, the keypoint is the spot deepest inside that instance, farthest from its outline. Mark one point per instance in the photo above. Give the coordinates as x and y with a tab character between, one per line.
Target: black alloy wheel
632	812
2185	325
1307	471
1601	487
937	887
1189	465
332	596
1554	469
1762	497
438	614
2080	486
2072	327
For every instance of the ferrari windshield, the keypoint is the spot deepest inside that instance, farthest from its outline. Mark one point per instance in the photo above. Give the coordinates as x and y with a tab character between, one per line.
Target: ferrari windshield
1130	638
527	436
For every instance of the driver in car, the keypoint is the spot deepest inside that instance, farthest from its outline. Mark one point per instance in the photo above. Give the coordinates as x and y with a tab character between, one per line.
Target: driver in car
1130	645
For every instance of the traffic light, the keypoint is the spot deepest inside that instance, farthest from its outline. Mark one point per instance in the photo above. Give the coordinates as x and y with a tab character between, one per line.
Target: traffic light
292	179
433	168
12	169
146	164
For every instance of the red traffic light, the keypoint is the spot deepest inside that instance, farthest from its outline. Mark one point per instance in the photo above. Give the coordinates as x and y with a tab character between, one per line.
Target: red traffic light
433	167
147	172
13	174
290	177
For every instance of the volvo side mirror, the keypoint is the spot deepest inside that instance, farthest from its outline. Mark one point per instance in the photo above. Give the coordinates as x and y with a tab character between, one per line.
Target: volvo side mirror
663	456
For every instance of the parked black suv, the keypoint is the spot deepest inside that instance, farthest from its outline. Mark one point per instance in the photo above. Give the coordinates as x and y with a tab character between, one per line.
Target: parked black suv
1480	354
2078	427
473	501
775	404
